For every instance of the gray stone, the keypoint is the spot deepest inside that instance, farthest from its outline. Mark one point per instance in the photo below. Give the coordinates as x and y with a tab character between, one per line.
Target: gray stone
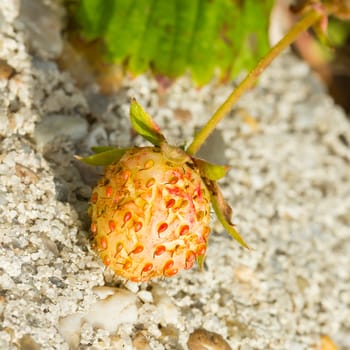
201	339
50	127
42	26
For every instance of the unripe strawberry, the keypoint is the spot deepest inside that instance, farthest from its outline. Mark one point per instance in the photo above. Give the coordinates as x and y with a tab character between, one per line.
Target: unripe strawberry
150	214
150	211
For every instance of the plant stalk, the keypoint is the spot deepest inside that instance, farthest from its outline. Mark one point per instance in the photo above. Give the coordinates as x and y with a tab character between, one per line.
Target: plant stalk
302	25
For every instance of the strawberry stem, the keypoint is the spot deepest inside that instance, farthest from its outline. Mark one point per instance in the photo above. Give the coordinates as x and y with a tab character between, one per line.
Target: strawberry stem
310	18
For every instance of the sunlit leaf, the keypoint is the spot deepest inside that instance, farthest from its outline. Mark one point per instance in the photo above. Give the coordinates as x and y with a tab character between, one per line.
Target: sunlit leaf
94	16
170	37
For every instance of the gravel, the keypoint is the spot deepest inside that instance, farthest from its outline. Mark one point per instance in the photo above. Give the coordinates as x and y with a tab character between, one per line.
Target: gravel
288	145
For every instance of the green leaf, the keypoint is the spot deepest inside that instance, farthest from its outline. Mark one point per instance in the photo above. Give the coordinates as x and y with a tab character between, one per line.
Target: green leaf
170	37
94	15
211	171
125	30
204	50
249	35
224	212
103	158
144	125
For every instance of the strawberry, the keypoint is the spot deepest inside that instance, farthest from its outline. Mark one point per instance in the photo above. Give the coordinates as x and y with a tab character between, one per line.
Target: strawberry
150	214
150	211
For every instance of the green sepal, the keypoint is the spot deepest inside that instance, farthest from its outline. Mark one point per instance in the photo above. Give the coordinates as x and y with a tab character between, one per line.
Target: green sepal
320	29
103	158
174	154
211	171
200	262
144	125
100	149
224	212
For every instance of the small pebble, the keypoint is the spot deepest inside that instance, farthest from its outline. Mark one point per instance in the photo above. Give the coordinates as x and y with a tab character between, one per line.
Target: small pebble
6	71
201	339
28	343
52	126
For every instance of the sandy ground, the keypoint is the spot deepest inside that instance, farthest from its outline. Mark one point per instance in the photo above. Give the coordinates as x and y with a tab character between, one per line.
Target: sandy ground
288	145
